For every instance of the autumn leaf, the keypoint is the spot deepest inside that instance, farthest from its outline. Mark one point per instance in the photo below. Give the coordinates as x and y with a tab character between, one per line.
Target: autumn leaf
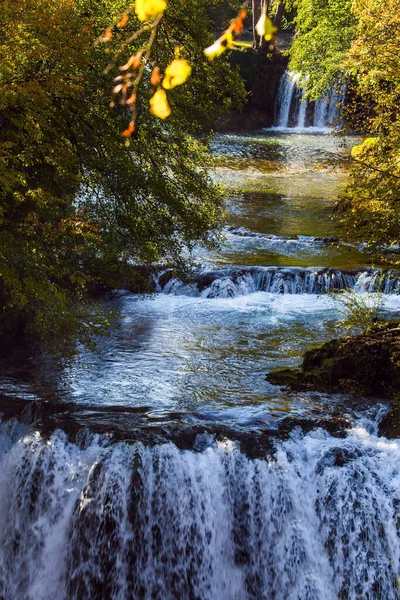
128	132
265	27
134	61
131	99
155	76
107	35
123	21
238	22
159	104
220	45
176	73
149	9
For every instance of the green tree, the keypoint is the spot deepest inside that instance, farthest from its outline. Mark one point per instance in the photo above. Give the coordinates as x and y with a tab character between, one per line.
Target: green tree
358	42
370	204
76	205
324	30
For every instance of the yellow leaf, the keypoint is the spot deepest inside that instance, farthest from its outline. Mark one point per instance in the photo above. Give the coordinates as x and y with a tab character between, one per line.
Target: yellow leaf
159	104
265	27
220	45
176	73
149	9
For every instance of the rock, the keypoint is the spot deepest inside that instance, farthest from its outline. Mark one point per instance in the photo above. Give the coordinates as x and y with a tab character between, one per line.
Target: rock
367	364
261	72
291	378
390	425
32	413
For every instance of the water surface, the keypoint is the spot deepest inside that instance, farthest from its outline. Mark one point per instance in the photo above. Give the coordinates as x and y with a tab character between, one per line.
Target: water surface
203	358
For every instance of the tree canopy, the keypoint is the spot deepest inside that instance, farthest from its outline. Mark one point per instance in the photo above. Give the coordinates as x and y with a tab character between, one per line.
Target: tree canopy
370	203
358	42
324	30
76	205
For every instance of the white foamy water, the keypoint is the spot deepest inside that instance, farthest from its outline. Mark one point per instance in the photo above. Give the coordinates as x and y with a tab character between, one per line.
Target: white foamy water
319	520
238	281
293	109
315	518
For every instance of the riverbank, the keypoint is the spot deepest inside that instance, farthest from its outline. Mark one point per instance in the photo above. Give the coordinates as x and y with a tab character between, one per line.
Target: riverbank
366	364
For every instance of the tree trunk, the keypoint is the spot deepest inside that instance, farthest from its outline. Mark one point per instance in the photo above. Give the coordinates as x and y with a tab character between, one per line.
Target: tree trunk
279	15
256	7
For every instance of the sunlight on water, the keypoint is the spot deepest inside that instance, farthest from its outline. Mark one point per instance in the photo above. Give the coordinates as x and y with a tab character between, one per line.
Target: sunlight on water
271	514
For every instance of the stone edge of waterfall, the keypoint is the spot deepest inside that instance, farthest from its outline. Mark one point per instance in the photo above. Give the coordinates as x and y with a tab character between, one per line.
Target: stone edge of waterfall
79	421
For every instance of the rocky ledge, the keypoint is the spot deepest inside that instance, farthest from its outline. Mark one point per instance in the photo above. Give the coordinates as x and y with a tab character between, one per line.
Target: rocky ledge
366	364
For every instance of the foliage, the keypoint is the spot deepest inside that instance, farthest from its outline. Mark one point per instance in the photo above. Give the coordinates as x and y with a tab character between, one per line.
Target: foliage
360	310
324	31
358	41
76	205
370	204
151	15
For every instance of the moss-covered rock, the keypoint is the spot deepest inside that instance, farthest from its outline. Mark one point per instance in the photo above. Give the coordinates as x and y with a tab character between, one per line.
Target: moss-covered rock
366	364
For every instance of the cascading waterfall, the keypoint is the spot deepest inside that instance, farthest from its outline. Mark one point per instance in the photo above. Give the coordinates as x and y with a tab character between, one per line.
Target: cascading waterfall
265	509
285	95
232	282
327	110
318	520
294	112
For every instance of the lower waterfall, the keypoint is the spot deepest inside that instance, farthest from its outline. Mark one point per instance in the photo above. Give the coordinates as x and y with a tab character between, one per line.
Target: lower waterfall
318	520
165	466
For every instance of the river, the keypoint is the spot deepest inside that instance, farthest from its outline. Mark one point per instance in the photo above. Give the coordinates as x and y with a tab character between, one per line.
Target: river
197	479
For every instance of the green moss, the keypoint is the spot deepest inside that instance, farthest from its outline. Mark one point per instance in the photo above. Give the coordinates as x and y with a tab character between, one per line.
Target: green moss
366	364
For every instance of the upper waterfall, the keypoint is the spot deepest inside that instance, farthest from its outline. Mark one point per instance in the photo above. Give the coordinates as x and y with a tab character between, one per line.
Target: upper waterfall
295	112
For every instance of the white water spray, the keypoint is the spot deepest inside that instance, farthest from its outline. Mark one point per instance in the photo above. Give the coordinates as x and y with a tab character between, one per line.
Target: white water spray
294	112
318	521
233	282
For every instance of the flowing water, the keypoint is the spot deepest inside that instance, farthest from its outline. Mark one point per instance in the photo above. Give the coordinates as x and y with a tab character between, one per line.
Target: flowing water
217	514
295	112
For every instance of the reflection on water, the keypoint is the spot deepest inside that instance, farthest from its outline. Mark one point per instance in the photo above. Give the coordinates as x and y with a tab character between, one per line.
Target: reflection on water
278	187
207	358
288	215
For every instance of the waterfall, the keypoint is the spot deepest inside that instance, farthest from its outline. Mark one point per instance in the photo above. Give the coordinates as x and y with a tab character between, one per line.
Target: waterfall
295	112
91	520
240	281
285	96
